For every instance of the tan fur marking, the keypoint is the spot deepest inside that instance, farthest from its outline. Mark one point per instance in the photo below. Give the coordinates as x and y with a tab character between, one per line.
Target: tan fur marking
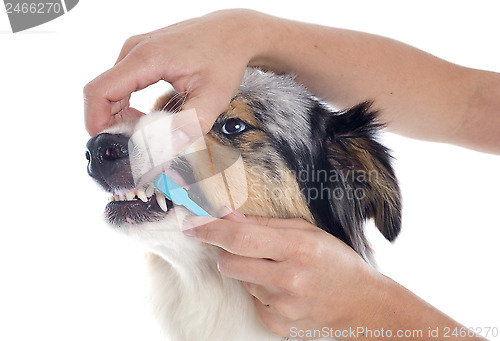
268	195
272	198
377	186
220	189
380	184
238	108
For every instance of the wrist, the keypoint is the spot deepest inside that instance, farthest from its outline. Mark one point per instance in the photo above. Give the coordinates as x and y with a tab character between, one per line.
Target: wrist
248	32
362	302
269	37
373	301
395	311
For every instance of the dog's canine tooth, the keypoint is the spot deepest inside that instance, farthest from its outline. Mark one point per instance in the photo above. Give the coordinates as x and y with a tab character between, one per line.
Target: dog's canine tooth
150	190
111	198
160	199
141	194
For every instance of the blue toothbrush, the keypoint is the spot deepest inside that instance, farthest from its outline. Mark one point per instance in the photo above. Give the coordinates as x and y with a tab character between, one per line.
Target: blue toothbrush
178	195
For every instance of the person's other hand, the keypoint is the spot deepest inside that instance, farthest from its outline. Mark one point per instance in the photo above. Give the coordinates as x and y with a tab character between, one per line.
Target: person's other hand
204	57
300	276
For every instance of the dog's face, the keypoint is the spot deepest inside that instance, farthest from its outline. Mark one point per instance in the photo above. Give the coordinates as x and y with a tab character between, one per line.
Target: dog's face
297	157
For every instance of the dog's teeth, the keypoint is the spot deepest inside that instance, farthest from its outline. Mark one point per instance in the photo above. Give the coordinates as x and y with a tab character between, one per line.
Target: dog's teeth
150	190
111	198
160	199
120	197
141	194
130	195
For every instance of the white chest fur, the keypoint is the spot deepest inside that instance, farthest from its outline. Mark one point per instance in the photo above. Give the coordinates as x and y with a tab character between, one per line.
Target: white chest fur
195	302
190	298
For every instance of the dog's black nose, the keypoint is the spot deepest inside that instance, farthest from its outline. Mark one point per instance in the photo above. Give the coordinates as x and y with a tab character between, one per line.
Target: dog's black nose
107	156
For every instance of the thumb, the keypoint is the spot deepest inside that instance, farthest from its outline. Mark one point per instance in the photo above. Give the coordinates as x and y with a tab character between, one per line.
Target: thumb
206	110
200	112
193	121
209	101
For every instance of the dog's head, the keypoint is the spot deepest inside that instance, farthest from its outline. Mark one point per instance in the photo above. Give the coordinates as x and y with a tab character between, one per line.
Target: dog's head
299	158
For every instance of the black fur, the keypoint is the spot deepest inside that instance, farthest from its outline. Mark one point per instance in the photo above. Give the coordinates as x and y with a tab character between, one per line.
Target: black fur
338	185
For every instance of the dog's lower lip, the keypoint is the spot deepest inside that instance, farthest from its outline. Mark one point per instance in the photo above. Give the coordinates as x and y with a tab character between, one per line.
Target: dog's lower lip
135	211
150	202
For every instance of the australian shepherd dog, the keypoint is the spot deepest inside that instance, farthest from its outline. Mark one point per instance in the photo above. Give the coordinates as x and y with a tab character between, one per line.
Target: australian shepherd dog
296	157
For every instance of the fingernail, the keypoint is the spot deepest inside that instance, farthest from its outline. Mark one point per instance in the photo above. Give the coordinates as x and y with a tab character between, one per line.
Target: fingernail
180	140
238	214
185	129
187	225
190	224
226	210
190	232
195	221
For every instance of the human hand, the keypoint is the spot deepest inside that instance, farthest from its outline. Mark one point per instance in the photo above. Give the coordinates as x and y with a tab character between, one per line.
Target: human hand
204	57
299	275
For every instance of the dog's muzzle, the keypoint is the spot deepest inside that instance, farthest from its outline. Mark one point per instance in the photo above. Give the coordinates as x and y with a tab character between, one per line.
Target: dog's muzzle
109	164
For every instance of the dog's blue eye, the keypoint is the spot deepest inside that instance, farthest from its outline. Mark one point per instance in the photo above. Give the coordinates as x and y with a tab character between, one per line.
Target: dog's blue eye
233	126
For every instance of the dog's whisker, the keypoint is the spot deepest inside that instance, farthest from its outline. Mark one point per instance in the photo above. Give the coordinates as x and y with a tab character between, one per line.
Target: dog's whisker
176	102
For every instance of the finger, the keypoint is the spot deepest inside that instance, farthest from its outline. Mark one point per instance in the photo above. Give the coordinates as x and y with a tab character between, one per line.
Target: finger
271	318
208	105
244	239
259	271
136	40
259	292
233	215
185	129
113	86
126	115
211	94
121	105
130	44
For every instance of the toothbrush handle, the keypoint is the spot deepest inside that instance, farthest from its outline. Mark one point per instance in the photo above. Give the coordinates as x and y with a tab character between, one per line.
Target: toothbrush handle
182	198
178	195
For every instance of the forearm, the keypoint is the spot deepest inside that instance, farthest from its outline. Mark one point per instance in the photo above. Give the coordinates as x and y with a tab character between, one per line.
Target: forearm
385	310
419	95
401	315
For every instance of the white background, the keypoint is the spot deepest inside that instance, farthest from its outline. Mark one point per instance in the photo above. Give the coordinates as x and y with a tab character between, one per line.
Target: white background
66	276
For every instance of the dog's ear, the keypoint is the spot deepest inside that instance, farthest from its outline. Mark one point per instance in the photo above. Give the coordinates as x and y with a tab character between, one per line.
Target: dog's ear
364	168
171	101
